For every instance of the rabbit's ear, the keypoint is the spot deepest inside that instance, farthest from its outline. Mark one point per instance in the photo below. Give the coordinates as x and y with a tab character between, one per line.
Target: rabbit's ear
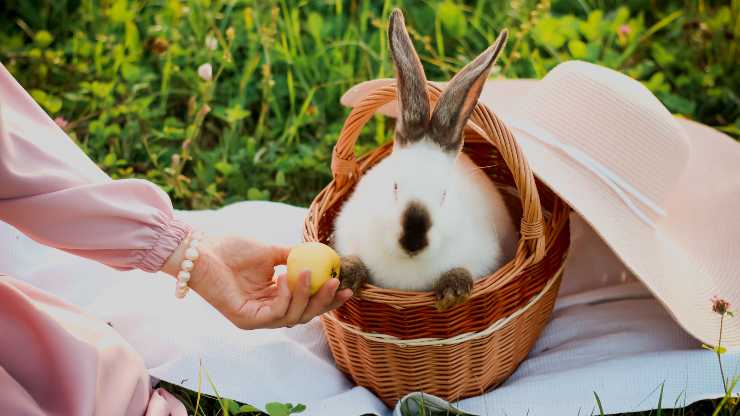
460	97
411	82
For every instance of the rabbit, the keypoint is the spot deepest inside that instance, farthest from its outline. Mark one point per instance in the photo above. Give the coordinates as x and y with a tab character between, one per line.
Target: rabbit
426	217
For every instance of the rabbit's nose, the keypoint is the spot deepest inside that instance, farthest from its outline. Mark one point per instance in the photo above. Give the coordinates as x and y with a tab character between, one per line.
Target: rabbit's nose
415	224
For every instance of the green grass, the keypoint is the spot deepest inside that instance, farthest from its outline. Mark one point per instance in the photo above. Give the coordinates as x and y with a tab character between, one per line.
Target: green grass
122	74
216	406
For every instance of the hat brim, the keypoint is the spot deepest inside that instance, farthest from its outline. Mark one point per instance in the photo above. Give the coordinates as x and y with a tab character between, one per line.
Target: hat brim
690	256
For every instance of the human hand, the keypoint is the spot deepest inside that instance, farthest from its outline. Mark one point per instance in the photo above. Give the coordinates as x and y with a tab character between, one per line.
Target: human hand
235	275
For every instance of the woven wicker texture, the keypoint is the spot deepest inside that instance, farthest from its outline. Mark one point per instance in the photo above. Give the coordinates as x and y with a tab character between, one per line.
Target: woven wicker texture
395	342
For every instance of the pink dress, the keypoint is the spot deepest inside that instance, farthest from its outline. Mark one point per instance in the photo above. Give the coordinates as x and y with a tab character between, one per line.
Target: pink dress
55	358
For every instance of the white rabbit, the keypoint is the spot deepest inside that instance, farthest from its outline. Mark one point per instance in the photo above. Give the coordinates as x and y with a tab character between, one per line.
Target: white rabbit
426	217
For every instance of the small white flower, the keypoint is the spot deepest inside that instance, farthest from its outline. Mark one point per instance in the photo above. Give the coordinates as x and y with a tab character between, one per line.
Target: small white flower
211	43
205	71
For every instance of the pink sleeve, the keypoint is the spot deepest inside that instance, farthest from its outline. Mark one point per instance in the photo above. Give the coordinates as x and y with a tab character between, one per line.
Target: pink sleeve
51	191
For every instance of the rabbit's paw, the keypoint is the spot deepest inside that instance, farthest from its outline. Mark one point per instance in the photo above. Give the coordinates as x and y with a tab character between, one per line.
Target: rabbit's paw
453	288
353	274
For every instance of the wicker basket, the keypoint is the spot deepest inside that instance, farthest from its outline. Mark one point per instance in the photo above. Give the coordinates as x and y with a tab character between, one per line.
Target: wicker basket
395	342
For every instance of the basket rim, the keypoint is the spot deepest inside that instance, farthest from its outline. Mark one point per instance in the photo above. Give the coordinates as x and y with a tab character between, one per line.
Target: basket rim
400	299
457	339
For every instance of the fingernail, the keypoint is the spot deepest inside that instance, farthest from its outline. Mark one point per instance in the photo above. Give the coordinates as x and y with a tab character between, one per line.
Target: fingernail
306	278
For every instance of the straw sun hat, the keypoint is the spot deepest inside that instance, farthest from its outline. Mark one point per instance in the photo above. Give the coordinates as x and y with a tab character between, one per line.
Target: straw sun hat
662	191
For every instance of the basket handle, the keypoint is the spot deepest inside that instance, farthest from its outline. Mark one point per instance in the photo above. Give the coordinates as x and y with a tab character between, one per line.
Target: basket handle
345	168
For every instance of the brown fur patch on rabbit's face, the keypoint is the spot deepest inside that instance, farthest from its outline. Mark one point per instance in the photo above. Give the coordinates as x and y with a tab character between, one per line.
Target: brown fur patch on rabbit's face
415	224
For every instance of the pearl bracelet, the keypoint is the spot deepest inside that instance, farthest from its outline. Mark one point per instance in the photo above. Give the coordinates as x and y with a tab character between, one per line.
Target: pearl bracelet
187	265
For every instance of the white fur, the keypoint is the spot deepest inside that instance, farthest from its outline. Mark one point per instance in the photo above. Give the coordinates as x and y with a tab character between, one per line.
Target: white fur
471	226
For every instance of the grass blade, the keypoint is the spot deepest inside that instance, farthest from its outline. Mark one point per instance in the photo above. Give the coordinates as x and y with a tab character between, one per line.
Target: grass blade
598	403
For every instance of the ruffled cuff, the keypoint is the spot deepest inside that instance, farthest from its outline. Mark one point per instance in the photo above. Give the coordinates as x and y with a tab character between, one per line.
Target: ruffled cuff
169	239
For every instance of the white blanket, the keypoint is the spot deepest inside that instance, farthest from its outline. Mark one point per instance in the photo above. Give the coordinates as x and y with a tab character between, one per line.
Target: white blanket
608	334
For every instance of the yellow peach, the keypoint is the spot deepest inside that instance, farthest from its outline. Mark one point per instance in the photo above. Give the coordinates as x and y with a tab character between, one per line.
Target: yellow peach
320	259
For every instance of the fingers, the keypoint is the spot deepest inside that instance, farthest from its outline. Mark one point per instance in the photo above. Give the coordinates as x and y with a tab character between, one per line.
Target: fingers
281	302
289	308
320	300
325	300
300	298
